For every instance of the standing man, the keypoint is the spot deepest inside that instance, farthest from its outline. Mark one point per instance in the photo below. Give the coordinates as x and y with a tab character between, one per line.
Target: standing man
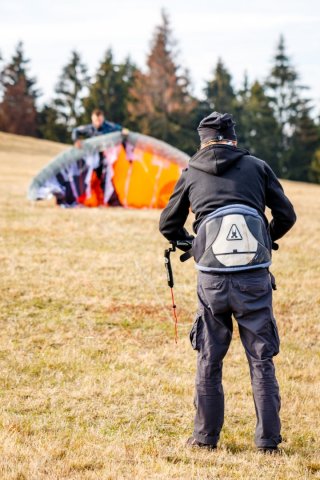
102	174
228	190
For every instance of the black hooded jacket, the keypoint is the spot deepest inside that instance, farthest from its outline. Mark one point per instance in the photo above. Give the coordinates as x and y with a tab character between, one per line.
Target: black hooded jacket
221	175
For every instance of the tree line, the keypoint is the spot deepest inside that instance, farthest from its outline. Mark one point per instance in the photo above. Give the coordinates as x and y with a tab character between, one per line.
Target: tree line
274	118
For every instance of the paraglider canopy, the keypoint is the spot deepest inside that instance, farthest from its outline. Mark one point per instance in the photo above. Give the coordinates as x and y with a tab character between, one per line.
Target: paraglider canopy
131	170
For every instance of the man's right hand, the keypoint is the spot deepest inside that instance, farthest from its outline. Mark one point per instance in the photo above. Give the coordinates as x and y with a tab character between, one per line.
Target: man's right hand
78	143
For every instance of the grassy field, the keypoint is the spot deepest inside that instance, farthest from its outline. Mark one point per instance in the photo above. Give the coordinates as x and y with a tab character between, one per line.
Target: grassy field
92	385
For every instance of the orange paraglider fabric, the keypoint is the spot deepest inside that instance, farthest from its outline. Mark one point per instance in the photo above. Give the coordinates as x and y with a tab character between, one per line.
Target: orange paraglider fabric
145	181
96	197
135	172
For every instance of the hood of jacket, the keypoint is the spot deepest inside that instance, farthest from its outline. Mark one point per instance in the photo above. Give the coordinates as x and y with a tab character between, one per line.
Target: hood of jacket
216	159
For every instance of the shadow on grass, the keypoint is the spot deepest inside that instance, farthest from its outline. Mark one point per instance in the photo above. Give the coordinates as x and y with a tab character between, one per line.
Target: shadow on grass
188	460
236	448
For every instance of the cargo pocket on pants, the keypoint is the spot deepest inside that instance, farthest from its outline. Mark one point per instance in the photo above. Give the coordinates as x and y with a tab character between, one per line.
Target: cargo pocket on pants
195	333
276	336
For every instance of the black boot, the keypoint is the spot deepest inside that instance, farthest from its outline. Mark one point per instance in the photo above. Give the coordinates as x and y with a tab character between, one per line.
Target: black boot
192	442
269	450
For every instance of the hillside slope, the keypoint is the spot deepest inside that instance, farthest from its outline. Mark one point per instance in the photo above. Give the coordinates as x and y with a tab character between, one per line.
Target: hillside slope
20	159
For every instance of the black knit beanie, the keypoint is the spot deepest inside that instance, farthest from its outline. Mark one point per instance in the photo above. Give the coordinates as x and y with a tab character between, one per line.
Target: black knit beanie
217	126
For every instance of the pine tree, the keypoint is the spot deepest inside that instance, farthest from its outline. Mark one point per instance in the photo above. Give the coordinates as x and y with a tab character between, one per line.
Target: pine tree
293	114
161	103
284	88
18	112
304	142
314	172
1	76
50	126
70	91
219	92
239	112
260	130
110	89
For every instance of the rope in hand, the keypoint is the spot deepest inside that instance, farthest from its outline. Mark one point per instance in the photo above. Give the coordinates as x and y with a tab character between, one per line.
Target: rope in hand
170	280
174	311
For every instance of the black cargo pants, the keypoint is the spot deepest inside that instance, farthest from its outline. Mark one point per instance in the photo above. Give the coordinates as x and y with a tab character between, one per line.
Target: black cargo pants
248	296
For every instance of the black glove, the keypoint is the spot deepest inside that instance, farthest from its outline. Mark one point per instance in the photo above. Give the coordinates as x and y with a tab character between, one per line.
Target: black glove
184	245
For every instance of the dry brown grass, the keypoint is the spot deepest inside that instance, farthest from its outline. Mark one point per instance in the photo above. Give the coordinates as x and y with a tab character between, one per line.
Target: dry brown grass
92	384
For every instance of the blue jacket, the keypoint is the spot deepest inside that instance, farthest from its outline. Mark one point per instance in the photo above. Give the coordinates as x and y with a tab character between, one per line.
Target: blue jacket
88	131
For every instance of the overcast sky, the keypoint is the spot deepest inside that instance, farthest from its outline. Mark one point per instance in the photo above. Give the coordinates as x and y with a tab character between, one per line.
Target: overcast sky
244	33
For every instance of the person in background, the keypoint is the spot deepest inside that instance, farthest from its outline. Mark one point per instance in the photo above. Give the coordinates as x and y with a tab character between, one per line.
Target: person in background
99	126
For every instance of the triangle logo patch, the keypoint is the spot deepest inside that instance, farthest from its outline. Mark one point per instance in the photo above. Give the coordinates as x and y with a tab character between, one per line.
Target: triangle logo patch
234	233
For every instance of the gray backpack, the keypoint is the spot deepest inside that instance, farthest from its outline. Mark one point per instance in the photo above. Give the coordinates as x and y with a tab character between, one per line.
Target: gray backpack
232	238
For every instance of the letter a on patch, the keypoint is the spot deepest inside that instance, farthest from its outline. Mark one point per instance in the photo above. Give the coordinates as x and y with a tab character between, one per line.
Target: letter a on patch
234	233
